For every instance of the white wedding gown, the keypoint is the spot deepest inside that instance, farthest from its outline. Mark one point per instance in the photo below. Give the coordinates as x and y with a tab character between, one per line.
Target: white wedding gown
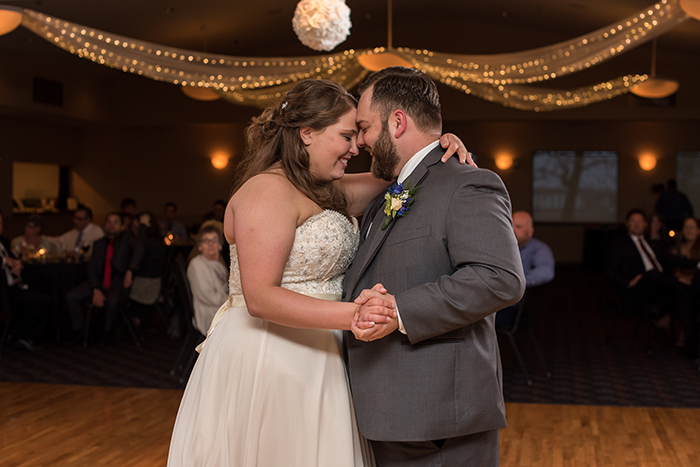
266	395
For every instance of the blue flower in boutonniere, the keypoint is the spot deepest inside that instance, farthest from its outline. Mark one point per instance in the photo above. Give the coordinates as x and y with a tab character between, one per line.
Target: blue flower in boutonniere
398	201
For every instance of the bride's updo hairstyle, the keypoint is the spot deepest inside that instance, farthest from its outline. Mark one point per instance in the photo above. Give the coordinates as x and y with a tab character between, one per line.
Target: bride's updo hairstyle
274	137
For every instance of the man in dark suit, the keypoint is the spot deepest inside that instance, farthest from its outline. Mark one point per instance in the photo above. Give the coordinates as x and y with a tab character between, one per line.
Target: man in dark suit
638	271
428	388
110	271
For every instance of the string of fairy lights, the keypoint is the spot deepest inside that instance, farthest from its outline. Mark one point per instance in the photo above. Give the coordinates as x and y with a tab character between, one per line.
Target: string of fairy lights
510	79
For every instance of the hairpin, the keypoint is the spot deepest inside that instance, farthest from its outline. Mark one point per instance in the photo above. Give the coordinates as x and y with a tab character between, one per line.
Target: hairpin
284	104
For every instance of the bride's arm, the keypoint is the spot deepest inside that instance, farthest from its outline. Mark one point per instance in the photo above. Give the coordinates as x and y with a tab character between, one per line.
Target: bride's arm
266	213
361	188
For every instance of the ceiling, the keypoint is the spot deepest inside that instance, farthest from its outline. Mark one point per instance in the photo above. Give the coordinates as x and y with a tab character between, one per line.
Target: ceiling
263	28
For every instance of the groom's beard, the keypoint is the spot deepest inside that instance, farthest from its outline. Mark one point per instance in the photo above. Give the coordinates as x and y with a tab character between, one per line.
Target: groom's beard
385	158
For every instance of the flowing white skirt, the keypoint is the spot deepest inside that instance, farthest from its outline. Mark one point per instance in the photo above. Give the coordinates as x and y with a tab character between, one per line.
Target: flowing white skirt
264	395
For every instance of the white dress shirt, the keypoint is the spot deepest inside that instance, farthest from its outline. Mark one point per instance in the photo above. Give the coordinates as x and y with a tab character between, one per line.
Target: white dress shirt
6	267
67	241
647	253
403	175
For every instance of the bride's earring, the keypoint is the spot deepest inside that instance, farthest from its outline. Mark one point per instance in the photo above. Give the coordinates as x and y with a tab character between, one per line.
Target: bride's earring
305	134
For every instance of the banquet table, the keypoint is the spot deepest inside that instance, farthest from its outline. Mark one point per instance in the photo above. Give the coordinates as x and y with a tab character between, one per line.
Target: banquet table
55	278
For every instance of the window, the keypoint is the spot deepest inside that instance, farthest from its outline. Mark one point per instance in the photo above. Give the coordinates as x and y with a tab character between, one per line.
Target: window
688	176
574	186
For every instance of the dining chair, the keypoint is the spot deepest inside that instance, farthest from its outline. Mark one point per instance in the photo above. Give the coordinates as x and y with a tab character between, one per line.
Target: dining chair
643	316
192	336
524	321
122	312
5	310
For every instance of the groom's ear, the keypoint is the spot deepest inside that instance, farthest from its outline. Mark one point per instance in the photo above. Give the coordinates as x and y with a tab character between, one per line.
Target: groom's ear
397	123
306	134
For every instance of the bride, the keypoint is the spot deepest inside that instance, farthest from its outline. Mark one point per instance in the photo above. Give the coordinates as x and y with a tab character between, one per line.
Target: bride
269	388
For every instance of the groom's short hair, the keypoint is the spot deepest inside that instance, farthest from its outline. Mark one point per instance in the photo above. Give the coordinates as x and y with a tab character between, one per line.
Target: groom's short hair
409	90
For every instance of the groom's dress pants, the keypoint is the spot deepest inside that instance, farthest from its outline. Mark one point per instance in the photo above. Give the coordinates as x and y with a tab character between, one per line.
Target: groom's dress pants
477	450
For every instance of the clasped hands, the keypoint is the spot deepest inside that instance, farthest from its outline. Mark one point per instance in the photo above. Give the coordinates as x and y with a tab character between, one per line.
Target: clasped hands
375	316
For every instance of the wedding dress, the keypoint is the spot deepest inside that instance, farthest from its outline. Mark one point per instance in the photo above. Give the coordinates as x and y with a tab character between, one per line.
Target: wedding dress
266	395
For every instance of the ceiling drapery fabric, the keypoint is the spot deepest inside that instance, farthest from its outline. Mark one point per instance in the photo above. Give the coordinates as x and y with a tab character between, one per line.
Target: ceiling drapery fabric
510	79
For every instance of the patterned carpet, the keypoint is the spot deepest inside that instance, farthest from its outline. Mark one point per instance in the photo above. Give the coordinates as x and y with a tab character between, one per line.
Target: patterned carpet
575	317
120	363
576	314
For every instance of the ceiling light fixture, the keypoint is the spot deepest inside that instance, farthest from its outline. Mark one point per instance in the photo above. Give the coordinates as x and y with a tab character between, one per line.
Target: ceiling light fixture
692	7
381	58
193	91
199	94
10	18
655	87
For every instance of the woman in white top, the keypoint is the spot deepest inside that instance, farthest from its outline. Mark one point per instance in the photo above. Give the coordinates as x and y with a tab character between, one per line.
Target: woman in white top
208	278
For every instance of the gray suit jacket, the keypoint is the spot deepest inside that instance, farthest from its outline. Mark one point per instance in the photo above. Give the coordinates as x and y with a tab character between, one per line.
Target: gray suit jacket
451	262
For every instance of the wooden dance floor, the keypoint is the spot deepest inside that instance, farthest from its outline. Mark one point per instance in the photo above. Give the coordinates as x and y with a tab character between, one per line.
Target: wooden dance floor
57	425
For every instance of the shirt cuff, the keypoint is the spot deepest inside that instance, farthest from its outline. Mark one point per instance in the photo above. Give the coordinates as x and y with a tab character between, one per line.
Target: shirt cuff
402	329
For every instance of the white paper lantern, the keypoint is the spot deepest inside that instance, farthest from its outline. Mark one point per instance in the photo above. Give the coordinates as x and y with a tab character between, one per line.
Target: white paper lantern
322	24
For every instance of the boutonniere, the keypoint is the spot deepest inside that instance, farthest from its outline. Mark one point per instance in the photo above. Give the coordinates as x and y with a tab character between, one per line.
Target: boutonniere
398	200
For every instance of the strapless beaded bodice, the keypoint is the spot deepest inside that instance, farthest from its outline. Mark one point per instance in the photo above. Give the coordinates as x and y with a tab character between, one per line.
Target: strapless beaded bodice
324	245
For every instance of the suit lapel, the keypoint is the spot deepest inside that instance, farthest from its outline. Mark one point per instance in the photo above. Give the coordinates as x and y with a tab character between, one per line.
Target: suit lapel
377	235
366	221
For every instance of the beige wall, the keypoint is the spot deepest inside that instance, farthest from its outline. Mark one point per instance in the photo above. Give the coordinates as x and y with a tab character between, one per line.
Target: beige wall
149	163
629	139
155	164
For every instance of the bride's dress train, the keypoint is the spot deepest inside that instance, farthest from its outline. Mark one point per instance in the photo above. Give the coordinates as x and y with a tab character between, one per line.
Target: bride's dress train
266	395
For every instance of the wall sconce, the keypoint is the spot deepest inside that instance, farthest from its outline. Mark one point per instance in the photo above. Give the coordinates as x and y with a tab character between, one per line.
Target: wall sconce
647	162
10	18
220	159
504	161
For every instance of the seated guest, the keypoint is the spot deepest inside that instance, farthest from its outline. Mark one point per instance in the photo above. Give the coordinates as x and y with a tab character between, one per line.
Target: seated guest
83	235
110	271
217	212
28	307
32	240
657	233
128	205
128	222
674	205
208	277
169	226
688	246
146	284
640	272
537	259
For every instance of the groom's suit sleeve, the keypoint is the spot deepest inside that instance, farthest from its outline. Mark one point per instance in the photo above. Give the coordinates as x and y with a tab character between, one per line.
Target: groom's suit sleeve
482	248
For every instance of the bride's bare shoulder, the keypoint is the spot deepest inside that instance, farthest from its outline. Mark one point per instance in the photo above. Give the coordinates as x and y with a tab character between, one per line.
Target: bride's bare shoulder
266	185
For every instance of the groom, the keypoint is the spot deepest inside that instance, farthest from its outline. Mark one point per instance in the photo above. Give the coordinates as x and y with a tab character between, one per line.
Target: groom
428	387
